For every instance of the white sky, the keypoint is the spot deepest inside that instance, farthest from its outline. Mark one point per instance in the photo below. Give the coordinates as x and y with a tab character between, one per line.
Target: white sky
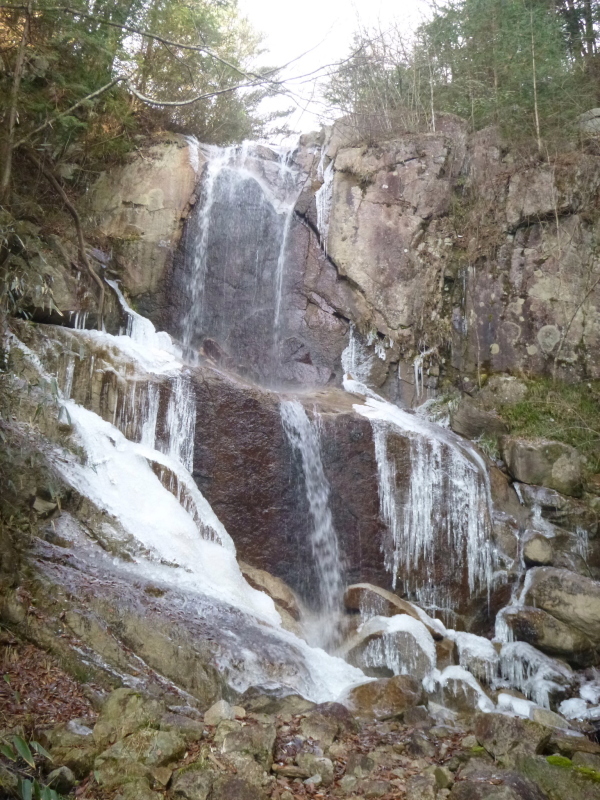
324	27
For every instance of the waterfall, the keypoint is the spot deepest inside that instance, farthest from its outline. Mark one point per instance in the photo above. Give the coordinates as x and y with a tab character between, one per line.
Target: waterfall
303	436
181	421
236	253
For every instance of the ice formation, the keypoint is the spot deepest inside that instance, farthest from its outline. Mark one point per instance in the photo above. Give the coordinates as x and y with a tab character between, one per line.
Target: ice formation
323	199
445	473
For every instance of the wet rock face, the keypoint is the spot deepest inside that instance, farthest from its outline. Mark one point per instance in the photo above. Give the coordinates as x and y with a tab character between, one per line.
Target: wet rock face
247	470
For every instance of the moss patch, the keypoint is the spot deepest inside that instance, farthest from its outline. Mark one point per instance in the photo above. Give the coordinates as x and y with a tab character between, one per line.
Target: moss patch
568	413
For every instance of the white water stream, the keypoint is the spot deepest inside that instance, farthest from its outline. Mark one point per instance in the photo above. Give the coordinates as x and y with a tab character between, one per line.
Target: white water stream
304	436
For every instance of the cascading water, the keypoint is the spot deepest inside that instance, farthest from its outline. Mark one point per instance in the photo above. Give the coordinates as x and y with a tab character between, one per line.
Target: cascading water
304	437
235	246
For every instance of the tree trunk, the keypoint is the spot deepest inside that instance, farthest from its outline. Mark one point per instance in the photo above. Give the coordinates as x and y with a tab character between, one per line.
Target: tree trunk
13	108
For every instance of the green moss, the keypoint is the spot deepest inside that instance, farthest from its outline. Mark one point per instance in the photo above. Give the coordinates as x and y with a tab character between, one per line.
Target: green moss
588	772
478	749
560	761
568	413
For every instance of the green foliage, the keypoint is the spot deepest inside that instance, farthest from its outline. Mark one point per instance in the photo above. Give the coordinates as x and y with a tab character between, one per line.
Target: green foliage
512	63
68	57
19	751
568	413
493	60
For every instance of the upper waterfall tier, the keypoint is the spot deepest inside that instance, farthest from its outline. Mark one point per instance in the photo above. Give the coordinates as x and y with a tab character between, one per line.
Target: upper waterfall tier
235	256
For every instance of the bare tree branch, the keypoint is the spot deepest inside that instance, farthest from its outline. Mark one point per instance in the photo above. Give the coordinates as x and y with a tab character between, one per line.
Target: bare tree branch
50	177
72	108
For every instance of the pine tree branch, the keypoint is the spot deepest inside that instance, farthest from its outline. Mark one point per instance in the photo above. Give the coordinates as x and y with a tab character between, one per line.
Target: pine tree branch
147	35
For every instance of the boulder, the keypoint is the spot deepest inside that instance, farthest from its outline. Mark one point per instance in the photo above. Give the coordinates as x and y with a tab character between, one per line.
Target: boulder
227	787
192	783
543	462
488	782
392	646
218	712
62	780
384	698
373	601
538	550
421	787
190	729
559	780
277	589
469	421
136	754
573	599
326	722
459	691
507	739
316	765
138	790
550	635
124	712
254	739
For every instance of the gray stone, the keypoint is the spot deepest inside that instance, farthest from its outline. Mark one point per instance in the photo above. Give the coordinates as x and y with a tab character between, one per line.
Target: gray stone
62	780
591	760
485	782
190	729
136	753
218	712
228	787
507	739
469	421
538	551
254	739
544	463
138	790
559	782
359	764
124	712
542	630
372	788
571	598
385	698
421	787
315	765
548	718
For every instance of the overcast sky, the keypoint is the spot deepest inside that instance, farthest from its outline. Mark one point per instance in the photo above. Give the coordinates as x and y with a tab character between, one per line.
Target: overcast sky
324	27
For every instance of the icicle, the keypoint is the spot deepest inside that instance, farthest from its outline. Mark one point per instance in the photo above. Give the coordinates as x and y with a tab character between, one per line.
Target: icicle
324	199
